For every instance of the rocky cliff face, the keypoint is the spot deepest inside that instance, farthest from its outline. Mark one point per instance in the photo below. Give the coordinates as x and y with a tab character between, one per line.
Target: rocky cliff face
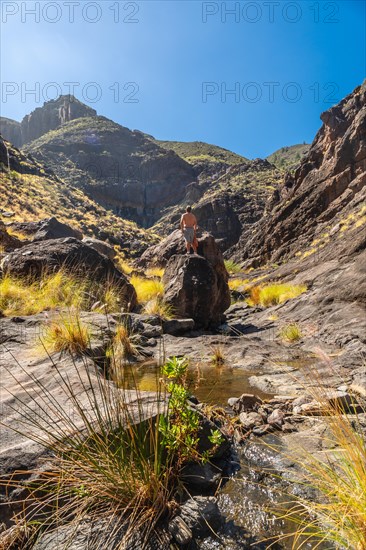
11	131
323	199
52	115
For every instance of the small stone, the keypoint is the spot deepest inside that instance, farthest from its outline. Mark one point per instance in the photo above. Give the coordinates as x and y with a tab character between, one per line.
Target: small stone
276	418
251	419
301	401
262	430
180	531
246	402
232	401
288	428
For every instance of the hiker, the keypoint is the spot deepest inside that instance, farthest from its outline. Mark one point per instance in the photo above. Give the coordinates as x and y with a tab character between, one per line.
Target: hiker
188	225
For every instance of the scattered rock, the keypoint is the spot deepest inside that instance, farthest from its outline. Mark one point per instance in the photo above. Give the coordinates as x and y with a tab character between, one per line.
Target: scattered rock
276	418
101	247
246	402
177	327
250	419
53	229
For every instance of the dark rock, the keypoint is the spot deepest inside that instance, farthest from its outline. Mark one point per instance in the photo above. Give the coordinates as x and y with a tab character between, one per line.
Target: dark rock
201	515
101	247
197	287
177	327
201	477
246	402
53	229
8	242
180	531
75	256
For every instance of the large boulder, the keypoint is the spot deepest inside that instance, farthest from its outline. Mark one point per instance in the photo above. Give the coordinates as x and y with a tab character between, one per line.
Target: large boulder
38	258
173	244
197	286
53	229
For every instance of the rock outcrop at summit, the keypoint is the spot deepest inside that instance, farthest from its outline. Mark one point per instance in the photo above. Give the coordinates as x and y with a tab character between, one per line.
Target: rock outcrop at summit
327	189
50	116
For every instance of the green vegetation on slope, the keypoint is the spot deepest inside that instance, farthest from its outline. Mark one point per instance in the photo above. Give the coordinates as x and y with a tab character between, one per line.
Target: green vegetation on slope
288	158
196	152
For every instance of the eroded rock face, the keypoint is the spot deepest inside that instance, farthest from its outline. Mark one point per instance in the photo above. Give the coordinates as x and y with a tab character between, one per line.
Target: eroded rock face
197	286
73	255
329	182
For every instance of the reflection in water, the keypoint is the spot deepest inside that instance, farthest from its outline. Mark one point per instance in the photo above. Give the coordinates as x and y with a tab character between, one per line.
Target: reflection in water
210	384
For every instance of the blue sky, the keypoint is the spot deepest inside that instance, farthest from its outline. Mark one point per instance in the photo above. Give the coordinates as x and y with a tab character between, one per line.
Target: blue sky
167	67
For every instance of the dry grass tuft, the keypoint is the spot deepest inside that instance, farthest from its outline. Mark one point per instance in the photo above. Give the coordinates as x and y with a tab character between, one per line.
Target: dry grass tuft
67	334
147	289
157	306
291	332
271	295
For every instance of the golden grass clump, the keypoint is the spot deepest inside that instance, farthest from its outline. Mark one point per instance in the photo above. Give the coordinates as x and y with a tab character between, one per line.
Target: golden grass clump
147	289
122	348
218	356
26	297
271	295
157	306
291	332
238	284
155	272
67	334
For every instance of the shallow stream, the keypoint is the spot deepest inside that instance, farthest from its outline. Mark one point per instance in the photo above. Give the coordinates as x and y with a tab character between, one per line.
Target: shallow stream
249	498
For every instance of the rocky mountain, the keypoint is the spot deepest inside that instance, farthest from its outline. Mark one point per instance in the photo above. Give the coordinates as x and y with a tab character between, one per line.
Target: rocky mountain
320	210
52	115
30	192
143	179
289	158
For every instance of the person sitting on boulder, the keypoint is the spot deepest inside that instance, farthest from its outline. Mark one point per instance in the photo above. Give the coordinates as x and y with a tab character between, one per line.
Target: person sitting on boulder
188	225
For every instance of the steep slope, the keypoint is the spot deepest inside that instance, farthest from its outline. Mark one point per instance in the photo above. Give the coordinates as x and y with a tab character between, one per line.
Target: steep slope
289	158
120	169
320	209
29	191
